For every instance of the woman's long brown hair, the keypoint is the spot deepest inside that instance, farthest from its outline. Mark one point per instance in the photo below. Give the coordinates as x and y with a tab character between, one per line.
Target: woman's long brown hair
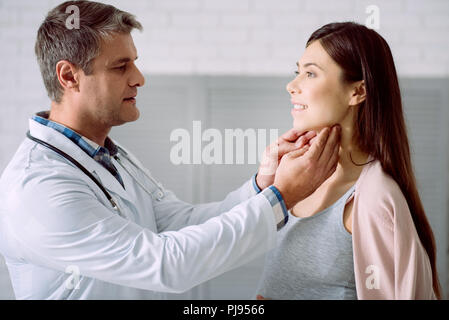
380	128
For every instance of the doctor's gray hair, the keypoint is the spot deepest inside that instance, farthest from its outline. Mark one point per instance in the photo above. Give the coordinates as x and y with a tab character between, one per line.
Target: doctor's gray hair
56	41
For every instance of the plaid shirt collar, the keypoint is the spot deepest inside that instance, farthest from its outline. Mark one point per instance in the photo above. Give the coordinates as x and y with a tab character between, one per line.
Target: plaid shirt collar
103	155
91	148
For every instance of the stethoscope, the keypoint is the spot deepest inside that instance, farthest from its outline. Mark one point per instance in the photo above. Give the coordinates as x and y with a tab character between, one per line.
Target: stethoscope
158	193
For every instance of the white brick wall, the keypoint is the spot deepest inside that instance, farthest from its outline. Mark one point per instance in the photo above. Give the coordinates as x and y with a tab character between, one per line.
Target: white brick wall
191	36
195	36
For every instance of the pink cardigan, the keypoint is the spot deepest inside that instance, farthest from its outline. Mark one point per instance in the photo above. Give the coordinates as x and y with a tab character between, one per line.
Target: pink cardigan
389	260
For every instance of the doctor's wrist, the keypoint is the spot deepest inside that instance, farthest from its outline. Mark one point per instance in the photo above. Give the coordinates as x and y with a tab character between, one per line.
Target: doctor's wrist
254	183
277	202
264	181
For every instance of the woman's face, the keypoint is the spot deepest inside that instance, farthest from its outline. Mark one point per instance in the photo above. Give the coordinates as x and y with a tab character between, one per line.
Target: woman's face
319	95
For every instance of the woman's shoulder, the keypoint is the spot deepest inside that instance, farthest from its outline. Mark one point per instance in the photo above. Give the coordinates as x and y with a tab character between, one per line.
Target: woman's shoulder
374	179
378	194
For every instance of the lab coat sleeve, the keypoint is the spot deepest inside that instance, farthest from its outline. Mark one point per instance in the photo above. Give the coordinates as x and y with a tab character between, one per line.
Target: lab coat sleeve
172	213
57	221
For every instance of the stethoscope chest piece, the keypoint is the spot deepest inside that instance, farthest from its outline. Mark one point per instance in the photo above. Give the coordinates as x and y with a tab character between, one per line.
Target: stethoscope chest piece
157	193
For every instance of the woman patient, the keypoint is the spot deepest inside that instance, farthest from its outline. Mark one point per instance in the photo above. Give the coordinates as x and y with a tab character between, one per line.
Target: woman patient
363	234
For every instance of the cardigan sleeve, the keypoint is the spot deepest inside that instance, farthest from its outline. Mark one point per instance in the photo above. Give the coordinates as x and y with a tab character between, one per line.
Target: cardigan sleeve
412	269
389	259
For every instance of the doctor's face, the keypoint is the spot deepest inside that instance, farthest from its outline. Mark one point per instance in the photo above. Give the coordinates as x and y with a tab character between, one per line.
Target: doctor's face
319	91
108	93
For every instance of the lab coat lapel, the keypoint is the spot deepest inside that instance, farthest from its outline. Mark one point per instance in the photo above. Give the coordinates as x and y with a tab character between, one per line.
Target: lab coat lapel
63	143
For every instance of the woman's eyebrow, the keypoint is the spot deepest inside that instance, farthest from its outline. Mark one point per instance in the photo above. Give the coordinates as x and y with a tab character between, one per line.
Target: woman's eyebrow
310	64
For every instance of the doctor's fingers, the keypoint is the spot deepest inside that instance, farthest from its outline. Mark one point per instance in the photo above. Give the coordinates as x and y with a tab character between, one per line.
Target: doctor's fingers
332	142
286	147
318	145
291	135
299	152
296	137
333	162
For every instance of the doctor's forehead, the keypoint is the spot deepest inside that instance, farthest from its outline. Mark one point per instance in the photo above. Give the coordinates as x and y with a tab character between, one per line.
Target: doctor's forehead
118	48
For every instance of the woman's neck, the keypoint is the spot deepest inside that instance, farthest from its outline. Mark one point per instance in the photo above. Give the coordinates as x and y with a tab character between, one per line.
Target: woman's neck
347	171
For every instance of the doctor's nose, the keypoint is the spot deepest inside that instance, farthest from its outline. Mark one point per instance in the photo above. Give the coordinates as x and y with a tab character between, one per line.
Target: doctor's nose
137	79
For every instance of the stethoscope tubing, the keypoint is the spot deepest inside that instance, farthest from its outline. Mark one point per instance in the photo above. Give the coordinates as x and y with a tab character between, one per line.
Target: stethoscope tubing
76	163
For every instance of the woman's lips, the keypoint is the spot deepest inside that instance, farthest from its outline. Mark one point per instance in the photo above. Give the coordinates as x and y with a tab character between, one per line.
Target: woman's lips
297	108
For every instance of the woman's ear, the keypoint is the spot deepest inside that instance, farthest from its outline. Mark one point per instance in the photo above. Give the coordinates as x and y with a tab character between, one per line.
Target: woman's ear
358	93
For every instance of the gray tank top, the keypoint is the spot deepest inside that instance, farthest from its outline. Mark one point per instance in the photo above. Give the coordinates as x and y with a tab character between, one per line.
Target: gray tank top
313	258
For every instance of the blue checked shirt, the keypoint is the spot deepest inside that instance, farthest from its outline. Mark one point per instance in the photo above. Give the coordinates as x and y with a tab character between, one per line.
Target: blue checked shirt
100	154
277	202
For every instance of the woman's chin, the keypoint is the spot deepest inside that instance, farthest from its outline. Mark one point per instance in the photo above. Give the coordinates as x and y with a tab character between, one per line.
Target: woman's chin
303	127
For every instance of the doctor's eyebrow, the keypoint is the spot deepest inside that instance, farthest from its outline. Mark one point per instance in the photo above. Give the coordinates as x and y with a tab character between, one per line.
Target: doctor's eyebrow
123	60
309	64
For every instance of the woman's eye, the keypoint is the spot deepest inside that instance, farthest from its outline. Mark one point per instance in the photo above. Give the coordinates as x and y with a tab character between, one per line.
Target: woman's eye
310	74
296	72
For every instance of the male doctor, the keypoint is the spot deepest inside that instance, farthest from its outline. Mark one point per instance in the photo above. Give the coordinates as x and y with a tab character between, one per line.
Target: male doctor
62	238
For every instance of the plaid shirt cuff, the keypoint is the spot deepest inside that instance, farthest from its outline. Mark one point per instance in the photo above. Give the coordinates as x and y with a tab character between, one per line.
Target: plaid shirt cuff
277	202
255	186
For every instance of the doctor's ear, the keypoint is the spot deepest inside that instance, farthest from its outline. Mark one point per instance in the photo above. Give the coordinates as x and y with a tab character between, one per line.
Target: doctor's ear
68	75
358	93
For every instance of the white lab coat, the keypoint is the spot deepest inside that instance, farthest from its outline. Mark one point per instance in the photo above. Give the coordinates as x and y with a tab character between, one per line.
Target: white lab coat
61	239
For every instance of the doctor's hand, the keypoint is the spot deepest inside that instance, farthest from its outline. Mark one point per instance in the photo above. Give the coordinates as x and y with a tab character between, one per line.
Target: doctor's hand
289	141
302	171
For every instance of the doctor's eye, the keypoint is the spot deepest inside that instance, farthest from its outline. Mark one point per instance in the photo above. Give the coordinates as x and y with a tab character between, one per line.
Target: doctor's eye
121	68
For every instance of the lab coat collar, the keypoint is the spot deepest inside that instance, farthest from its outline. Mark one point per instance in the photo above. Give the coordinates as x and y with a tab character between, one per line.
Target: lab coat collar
63	143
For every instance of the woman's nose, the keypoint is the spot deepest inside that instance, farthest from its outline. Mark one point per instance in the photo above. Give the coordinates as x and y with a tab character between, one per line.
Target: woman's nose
292	87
